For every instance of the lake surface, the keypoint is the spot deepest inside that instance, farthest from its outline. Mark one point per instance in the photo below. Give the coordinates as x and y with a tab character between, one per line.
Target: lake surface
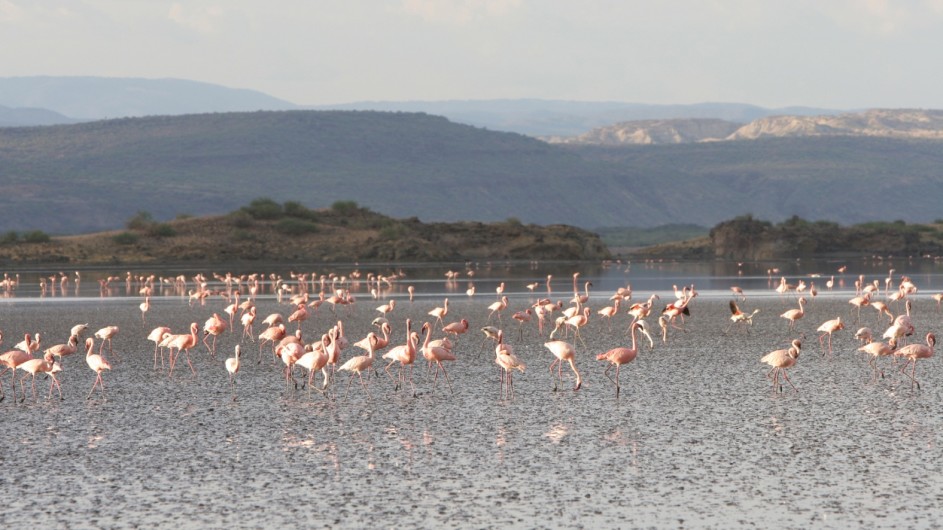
697	438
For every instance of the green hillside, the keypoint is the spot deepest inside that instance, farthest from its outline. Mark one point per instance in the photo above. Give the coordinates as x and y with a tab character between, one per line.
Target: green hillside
93	176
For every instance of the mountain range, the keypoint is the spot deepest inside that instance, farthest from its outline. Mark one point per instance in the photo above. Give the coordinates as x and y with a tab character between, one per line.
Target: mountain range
96	175
99	98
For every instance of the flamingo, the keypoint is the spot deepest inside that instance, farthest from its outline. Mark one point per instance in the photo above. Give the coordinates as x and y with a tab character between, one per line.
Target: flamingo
875	350
739	317
505	358
563	351
619	356
98	364
299	315
182	342
272	334
11	359
436	354
214	326
497	307
247	319
522	317
858	302
440	312
780	360
609	311
62	350
456	328
157	335
232	366
45	365
913	352
360	363
315	360
827	328
145	307
106	334
406	355
794	315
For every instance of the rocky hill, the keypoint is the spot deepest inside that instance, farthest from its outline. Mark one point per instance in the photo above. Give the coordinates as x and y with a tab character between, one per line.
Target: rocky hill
877	123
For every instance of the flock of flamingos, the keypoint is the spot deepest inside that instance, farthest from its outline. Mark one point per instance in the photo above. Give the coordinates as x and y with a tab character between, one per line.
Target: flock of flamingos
560	322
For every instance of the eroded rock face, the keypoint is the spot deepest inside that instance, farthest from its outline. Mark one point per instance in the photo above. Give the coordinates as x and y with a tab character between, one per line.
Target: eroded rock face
881	123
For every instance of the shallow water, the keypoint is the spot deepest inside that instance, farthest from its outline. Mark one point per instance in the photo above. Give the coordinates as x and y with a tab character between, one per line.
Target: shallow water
697	437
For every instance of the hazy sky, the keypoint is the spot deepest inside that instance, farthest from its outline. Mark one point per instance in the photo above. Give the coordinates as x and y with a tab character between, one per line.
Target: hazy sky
821	53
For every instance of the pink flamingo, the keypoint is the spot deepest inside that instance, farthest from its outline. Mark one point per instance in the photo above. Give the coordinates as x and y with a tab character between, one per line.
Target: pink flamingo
406	355
875	350
827	328
315	360
62	350
98	364
913	352
456	328
273	334
157	336
232	366
145	307
563	351
505	358
299	315
45	365
360	363
436	354
440	312
106	334
247	319
794	315
780	360
11	359
619	356
498	307
214	326
182	342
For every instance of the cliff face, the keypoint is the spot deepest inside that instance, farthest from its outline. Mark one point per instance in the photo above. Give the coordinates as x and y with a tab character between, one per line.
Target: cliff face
878	123
655	132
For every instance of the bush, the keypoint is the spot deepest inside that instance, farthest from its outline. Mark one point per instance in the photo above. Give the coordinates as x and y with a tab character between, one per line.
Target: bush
263	208
141	221
161	230
345	207
9	238
36	236
296	209
241	219
126	238
295	227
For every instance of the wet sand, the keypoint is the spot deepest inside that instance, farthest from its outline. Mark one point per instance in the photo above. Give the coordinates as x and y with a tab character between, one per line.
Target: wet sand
698	437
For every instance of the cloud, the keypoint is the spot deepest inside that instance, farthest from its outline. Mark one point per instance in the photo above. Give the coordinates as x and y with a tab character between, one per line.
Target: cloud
459	12
10	12
202	20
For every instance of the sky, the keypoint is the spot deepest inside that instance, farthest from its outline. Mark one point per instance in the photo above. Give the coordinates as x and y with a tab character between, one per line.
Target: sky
839	54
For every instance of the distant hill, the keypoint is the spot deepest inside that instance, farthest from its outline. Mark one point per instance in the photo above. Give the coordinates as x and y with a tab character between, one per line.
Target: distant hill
94	176
26	117
886	123
97	98
537	117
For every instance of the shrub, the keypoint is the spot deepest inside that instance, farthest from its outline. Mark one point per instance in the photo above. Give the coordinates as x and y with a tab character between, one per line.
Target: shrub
141	221
36	236
161	230
296	209
345	207
241	219
126	238
9	238
263	208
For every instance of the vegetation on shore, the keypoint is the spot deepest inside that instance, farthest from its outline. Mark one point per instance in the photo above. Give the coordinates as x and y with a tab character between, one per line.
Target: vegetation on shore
747	238
268	230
